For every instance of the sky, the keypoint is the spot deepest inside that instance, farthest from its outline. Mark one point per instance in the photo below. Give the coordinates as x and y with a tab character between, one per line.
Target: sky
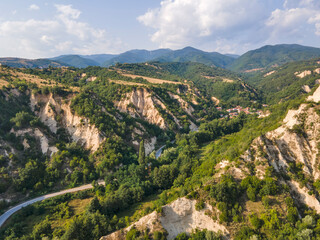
40	28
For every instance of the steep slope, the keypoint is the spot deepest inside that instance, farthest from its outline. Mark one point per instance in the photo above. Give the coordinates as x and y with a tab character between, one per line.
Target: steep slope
288	81
272	56
177	217
293	151
274	183
49	108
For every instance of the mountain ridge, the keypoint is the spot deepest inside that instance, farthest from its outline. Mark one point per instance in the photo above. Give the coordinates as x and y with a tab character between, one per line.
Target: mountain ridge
272	56
255	60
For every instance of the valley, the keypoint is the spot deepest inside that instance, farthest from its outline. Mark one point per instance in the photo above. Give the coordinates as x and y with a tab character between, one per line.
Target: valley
179	144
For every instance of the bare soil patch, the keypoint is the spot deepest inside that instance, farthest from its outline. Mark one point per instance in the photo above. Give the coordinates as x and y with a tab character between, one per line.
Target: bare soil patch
151	80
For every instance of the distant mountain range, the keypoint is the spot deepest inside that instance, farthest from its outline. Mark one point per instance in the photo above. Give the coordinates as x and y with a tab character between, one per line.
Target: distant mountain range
136	56
31	63
187	54
252	61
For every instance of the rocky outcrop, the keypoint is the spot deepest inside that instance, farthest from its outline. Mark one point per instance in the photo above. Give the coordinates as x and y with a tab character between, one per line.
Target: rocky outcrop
315	97
307	73
269	73
296	140
177	217
306	88
303	74
183	104
181	216
40	136
149	145
141	104
56	112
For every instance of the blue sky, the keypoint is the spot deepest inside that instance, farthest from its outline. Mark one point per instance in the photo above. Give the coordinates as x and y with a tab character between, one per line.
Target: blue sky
39	28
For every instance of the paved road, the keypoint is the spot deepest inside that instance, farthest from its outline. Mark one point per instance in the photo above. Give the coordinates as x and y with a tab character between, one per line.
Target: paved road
159	151
11	211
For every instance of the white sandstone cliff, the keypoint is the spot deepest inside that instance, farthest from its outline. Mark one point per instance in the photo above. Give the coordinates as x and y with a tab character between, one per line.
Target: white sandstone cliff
50	108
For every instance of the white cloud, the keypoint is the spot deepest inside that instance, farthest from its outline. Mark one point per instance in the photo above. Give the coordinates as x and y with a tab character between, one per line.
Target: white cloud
298	20
231	25
181	22
67	12
34	7
61	34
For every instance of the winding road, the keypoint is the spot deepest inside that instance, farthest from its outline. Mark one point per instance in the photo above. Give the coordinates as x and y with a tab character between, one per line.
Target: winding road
159	151
4	217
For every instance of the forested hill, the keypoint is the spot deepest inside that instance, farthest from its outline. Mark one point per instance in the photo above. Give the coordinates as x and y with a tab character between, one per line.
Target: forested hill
77	61
49	114
239	160
252	61
190	54
228	88
272	56
288	81
136	56
28	63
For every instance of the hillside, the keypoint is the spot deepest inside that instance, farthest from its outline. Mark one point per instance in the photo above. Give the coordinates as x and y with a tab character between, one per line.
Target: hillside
187	54
222	86
190	54
106	117
252	61
135	56
28	63
272	56
76	61
229	166
288	81
99	58
261	193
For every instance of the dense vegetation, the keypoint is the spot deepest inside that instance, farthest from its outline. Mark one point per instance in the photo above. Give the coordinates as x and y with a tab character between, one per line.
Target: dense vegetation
273	56
215	82
284	84
27	63
177	168
190	54
136	184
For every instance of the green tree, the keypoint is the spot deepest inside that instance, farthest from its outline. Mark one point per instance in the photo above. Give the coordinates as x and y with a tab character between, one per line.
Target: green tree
266	201
251	193
181	236
255	221
22	119
142	154
94	205
132	234
159	235
41	230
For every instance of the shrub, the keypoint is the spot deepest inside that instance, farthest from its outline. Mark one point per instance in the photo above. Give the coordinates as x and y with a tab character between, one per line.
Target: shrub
200	205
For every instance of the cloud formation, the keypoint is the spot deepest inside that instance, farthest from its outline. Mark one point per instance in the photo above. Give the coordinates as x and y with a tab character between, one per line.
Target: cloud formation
63	33
34	7
232	25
